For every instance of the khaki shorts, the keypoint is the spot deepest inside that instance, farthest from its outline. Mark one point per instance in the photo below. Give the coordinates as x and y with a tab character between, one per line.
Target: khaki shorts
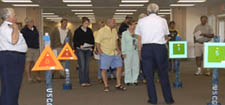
199	49
32	54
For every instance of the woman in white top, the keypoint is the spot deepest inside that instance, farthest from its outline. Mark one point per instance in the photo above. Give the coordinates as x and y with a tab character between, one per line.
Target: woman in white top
130	54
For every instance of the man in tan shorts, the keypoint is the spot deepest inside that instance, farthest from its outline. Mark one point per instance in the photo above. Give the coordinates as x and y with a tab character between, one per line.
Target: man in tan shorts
31	36
202	33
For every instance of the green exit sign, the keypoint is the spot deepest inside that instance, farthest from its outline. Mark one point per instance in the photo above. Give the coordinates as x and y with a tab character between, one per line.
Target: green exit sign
214	55
177	49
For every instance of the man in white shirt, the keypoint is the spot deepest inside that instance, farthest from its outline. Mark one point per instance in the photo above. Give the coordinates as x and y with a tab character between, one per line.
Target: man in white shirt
58	40
12	53
154	53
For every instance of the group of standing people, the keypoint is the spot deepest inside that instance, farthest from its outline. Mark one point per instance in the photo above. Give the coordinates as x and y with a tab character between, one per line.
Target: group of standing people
139	45
134	44
21	46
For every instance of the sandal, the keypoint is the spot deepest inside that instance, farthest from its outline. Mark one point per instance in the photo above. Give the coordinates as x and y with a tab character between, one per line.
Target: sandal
83	85
88	85
120	87
31	81
106	89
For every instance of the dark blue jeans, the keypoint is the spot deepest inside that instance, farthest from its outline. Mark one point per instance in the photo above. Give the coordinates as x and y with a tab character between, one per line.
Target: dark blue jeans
84	61
155	55
11	73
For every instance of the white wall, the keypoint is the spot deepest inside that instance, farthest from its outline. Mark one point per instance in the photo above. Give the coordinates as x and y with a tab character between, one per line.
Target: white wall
193	15
221	29
21	14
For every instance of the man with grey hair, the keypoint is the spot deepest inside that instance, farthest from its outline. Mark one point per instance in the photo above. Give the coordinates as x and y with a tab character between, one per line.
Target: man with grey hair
12	53
154	53
152	8
202	33
31	36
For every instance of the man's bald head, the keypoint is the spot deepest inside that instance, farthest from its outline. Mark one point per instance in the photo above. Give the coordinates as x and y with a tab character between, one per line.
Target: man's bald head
111	23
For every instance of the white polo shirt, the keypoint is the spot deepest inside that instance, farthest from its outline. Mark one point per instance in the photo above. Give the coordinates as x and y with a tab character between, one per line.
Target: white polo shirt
152	29
63	34
6	39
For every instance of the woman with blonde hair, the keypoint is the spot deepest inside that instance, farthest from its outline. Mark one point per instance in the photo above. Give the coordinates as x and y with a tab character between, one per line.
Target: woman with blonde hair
142	15
130	54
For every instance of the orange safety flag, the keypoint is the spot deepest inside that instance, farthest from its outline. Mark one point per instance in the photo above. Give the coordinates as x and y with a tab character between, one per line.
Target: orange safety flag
47	61
67	53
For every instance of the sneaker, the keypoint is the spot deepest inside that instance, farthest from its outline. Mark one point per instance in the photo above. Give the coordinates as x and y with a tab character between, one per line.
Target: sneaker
208	73
199	72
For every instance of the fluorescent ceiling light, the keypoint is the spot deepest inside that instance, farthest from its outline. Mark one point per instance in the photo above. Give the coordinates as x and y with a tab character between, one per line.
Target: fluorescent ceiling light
124	13
131	5
79	5
90	17
86	16
221	15
48	13
50	16
191	1
26	5
80	10
119	16
164	13
182	5
76	1
17	1
165	10
126	10
57	18
135	1
84	13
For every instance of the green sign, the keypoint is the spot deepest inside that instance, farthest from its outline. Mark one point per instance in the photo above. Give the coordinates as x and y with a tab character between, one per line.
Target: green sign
216	54
178	49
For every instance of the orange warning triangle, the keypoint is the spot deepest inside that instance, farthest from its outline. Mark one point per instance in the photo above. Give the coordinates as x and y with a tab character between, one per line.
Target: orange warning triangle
67	53
47	61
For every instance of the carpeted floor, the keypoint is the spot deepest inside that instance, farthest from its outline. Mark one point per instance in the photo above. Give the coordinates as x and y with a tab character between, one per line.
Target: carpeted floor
196	90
